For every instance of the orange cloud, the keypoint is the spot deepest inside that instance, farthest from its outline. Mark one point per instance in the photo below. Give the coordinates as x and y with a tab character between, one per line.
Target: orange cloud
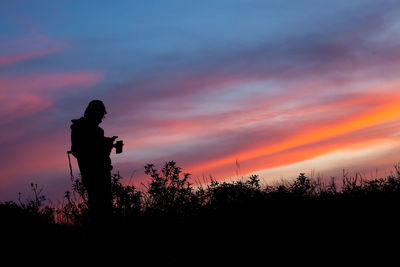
357	140
384	108
317	122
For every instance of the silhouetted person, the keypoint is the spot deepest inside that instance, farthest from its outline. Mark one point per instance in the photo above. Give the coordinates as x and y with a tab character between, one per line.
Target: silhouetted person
92	150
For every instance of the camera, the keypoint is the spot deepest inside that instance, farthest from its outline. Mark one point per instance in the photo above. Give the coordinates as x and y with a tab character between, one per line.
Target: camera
118	146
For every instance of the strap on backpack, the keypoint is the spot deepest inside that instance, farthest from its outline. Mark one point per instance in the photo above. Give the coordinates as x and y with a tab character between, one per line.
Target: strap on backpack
70	166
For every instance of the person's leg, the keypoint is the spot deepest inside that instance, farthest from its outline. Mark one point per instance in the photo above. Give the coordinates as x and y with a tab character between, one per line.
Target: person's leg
99	192
97	181
95	198
106	198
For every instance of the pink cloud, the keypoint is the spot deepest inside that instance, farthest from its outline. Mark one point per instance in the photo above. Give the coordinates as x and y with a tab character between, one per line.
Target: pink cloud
25	95
21	105
28	47
33	156
47	83
8	60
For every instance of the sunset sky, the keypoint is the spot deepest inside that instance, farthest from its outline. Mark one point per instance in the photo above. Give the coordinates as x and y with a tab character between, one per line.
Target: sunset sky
225	88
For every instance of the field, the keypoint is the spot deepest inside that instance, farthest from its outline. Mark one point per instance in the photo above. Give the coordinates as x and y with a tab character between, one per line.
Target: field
176	222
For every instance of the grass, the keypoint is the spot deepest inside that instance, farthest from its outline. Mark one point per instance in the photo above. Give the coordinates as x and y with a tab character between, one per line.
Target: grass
173	221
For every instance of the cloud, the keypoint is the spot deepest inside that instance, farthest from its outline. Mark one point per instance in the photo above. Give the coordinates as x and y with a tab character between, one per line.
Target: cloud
349	47
25	159
385	109
32	141
280	138
267	102
8	60
24	48
24	95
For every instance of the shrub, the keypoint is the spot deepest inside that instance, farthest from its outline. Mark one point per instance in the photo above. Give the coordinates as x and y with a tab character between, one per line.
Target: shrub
169	192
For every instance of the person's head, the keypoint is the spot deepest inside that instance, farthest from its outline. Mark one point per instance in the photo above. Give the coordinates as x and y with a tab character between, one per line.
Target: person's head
95	111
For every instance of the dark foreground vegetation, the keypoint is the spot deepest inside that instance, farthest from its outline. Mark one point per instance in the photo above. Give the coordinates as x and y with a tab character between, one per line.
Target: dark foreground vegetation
173	221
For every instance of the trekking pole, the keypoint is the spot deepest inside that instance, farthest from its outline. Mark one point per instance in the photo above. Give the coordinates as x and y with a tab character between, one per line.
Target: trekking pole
70	166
